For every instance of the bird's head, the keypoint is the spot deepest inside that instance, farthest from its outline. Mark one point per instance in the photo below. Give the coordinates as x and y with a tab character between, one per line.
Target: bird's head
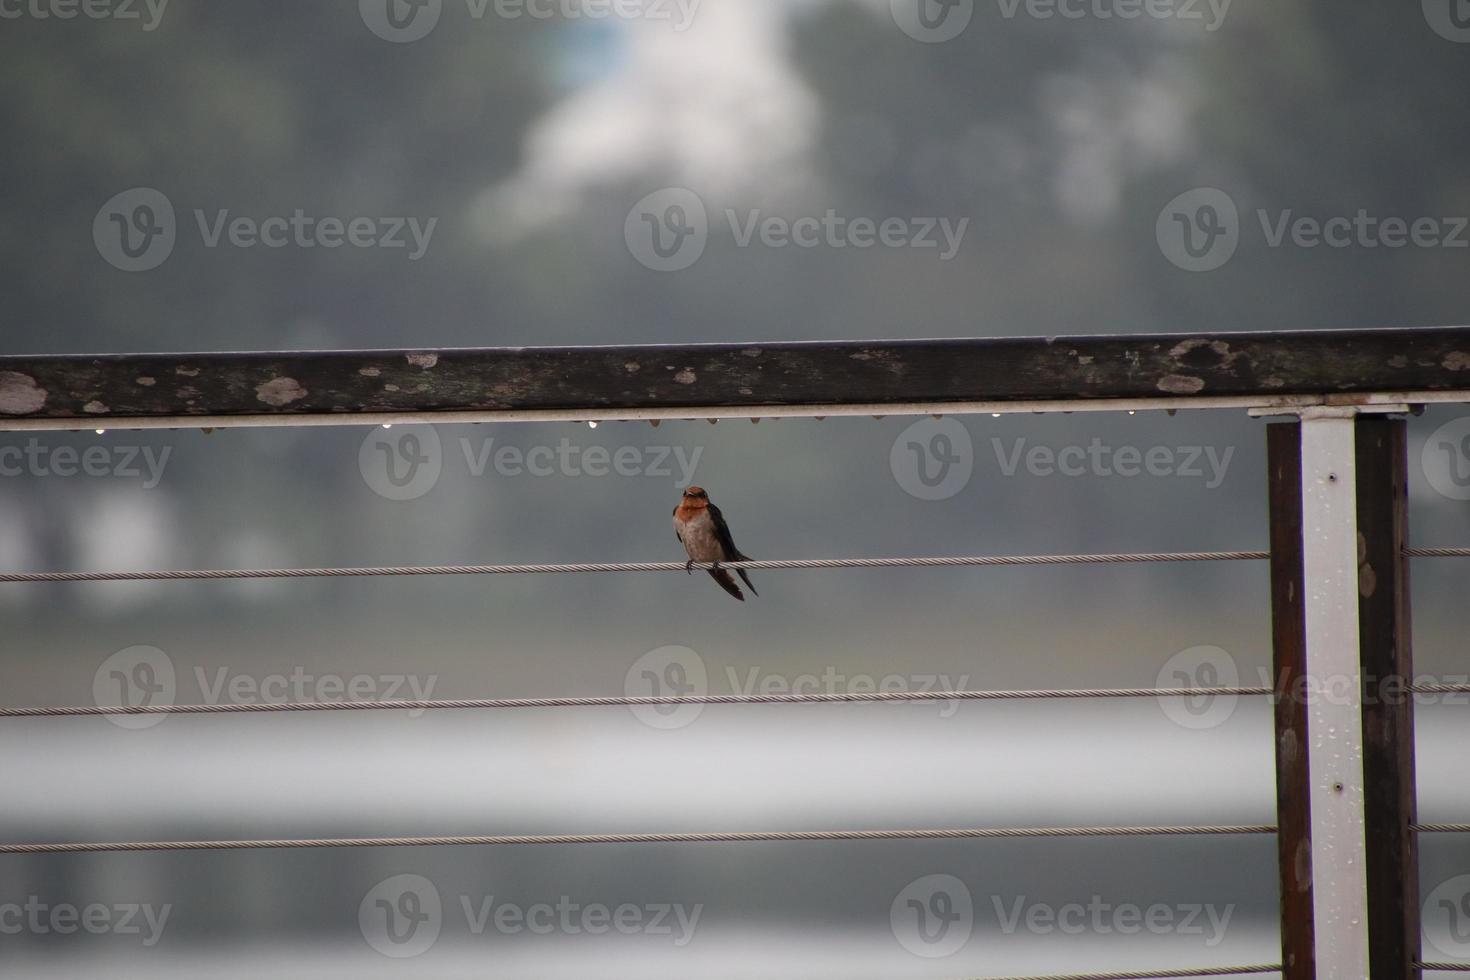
696	494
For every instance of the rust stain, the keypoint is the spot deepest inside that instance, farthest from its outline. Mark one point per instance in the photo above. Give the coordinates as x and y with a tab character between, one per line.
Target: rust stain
1181	384
147	382
280	391
19	394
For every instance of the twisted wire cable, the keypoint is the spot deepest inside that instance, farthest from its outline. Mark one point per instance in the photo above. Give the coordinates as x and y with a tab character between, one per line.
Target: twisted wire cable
156	575
629	701
1206	971
984	833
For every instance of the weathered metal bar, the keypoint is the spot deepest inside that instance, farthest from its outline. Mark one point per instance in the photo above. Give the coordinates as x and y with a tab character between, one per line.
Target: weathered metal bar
1289	656
1388	709
701	379
1334	721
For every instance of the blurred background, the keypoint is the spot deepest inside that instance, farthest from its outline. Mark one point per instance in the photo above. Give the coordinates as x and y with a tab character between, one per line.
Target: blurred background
281	175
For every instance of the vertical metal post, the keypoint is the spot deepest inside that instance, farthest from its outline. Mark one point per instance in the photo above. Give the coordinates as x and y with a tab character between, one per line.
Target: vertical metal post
1319	734
1388	706
1289	659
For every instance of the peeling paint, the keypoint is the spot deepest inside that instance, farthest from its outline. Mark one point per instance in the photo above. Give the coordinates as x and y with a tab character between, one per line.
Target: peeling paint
147	382
369	372
94	407
1218	347
187	372
425	360
280	391
686	377
632	367
751	352
19	394
391	388
1456	360
1398	361
1181	384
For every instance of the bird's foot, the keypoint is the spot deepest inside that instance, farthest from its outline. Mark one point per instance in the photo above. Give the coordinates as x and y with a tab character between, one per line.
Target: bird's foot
689	567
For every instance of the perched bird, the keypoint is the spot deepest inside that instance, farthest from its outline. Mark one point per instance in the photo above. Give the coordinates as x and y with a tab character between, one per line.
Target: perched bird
701	528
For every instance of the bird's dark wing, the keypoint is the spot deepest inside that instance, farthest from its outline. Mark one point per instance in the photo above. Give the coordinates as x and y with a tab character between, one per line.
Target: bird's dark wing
727	545
676	527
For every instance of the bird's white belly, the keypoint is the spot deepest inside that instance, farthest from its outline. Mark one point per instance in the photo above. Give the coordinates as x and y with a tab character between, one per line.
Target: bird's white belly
700	540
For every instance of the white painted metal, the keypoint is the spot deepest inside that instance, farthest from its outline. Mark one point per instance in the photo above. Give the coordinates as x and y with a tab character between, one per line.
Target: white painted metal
1259	404
1334	718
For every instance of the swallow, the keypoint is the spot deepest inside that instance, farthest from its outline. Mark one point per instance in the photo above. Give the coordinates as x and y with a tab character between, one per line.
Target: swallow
701	528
